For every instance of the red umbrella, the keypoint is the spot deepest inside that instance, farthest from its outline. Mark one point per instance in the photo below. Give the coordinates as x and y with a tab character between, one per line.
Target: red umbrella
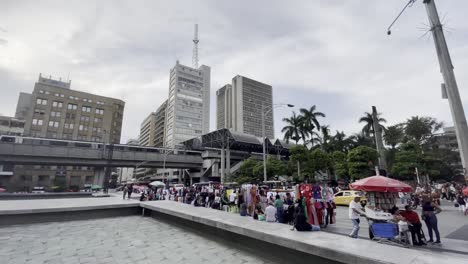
380	184
465	191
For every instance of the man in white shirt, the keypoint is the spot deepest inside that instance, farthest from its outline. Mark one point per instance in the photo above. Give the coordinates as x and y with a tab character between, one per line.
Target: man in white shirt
270	213
355	210
232	197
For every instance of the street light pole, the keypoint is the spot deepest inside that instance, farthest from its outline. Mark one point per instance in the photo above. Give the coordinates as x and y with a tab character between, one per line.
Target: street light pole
446	68
264	114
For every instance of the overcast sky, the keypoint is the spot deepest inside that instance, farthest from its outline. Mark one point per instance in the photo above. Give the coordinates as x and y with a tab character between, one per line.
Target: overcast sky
331	53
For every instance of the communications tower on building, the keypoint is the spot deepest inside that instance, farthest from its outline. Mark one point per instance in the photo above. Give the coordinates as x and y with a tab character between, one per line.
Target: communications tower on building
195	48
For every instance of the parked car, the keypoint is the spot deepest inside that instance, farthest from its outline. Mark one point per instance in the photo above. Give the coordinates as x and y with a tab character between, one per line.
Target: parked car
346	196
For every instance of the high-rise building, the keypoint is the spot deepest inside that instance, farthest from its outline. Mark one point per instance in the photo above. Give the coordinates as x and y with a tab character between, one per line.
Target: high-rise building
188	106
147	130
53	110
160	124
56	111
23	106
152	128
223	106
240	107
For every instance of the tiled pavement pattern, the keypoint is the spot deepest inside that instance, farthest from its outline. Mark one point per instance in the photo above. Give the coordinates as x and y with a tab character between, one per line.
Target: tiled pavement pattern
131	239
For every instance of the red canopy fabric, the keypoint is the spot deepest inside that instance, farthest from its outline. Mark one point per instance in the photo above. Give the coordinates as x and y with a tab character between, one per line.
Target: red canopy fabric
380	184
465	191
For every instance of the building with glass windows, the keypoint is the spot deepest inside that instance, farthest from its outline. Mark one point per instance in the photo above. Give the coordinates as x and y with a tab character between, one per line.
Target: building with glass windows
54	110
239	107
188	105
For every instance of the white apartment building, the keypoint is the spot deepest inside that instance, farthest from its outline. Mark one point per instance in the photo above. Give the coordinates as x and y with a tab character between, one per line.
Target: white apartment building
188	106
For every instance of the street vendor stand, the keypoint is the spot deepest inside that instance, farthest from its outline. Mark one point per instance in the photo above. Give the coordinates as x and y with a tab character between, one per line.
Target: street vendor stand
382	194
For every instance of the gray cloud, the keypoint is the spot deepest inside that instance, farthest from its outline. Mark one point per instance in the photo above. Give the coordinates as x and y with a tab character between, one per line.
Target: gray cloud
334	54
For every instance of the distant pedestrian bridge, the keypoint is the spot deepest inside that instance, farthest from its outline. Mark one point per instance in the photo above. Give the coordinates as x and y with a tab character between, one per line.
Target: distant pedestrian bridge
44	151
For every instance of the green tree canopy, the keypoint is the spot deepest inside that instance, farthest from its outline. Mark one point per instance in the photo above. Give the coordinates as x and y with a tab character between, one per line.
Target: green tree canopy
421	129
394	135
360	162
340	164
319	161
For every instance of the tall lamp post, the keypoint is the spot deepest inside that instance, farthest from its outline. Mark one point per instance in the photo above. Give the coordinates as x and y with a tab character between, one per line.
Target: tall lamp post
265	111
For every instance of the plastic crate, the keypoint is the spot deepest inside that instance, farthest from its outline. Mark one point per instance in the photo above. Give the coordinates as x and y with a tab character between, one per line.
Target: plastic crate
385	230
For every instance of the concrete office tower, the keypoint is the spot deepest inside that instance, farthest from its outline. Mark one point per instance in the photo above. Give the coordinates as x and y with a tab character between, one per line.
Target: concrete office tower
240	107
23	106
188	106
160	124
223	106
146	137
56	111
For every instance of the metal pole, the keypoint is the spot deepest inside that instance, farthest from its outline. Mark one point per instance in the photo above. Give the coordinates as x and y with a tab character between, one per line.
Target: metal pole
446	67
263	143
417	175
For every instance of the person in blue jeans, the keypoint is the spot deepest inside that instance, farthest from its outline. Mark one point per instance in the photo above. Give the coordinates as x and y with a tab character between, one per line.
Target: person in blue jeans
430	209
279	208
355	210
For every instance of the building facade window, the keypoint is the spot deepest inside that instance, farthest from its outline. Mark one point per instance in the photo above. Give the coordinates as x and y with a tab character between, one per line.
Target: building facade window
84	118
72	107
83	128
97	120
97	129
55	114
68	126
39	111
57	104
99	111
86	109
37	122
53	124
41	101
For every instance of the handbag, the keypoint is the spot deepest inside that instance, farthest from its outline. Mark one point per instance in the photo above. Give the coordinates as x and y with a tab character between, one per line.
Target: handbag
456	205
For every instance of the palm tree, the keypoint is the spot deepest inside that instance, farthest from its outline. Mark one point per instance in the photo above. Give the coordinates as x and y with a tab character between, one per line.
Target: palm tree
310	117
368	128
394	135
361	139
340	142
294	128
311	122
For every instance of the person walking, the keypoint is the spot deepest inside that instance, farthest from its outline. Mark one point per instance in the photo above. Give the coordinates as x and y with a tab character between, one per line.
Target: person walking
355	210
461	203
125	190
130	190
429	211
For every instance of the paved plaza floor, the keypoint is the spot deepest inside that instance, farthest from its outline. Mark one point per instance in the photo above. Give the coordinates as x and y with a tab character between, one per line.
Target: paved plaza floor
128	239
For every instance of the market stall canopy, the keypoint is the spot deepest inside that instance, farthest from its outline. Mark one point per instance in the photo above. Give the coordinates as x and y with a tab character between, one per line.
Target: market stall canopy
380	184
157	183
2	190
465	191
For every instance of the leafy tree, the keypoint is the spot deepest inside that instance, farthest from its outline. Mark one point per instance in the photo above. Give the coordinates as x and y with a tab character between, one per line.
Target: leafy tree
340	164
360	160
421	129
246	171
360	139
294	129
394	135
368	121
274	168
319	161
299	155
339	142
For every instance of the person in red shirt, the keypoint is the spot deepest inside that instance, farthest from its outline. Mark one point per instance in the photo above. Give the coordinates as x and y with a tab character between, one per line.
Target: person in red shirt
415	225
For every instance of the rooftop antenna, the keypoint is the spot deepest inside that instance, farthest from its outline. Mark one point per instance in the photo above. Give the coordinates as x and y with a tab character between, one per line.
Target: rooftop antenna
449	86
409	4
195	48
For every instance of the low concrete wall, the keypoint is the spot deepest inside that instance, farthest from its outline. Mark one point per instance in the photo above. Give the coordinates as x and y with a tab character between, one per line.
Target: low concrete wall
29	196
20	219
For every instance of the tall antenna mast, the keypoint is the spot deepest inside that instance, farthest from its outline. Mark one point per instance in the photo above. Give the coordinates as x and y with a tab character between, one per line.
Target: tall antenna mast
195	48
